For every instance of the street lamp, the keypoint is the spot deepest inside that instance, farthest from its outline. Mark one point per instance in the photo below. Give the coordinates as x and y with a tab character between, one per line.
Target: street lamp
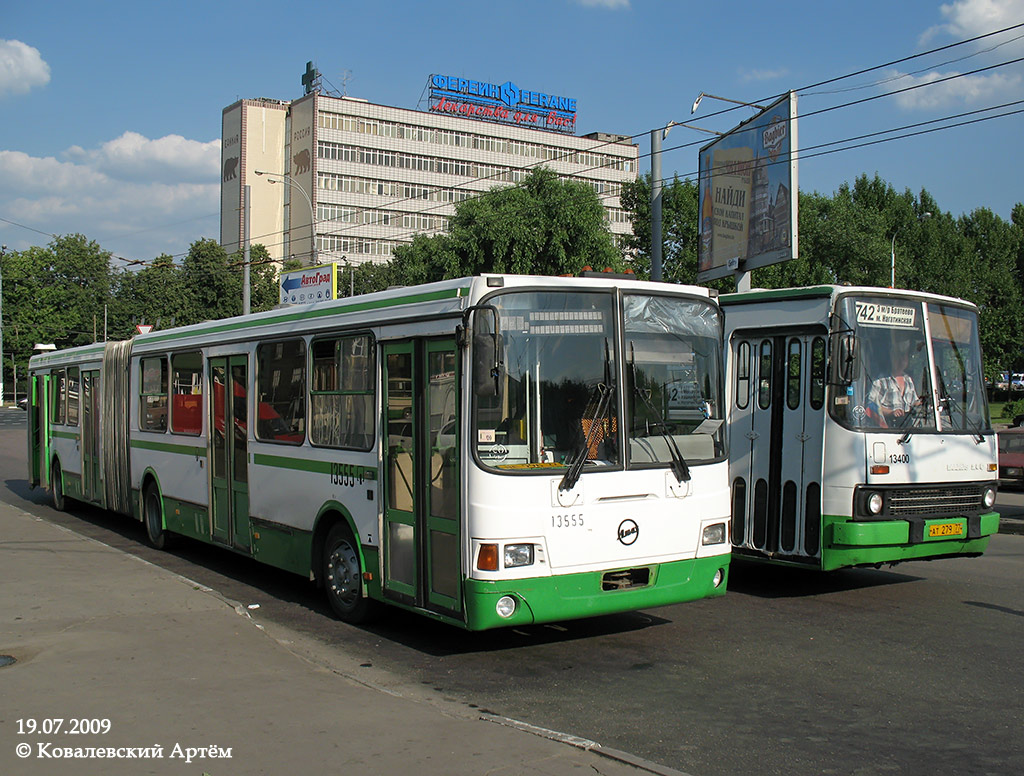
892	250
702	95
287	179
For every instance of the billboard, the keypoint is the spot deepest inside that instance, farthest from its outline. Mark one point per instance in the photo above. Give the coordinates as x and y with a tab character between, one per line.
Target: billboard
309	284
503	103
748	194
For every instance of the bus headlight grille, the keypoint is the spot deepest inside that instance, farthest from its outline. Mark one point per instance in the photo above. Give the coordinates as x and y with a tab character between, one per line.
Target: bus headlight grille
935	501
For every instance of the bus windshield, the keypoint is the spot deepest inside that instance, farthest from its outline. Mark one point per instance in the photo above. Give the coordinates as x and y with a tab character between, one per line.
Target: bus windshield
963	404
894	377
561	386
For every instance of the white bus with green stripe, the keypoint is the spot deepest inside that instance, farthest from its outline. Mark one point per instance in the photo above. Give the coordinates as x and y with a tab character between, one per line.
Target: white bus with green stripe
826	470
490	451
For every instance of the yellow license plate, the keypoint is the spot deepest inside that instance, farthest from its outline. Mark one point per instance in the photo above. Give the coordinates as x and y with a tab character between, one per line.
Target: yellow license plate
946	529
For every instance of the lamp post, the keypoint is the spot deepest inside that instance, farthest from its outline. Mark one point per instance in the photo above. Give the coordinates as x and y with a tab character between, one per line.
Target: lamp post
273	177
3	252
892	250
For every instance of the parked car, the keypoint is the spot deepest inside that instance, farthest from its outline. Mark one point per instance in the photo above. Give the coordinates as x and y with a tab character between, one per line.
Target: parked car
1011	456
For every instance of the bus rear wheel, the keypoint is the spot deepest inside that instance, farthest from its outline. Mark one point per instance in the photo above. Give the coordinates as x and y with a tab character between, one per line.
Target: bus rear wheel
153	516
57	478
343	577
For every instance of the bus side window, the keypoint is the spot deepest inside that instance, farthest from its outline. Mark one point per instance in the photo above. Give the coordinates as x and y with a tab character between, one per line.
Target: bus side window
817	373
59	396
72	388
764	376
187	393
281	392
793	374
153	394
343	392
742	375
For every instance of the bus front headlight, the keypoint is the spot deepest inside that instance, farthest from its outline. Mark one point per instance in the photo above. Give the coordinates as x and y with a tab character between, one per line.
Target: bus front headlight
874	503
714	534
518	555
988	497
505	607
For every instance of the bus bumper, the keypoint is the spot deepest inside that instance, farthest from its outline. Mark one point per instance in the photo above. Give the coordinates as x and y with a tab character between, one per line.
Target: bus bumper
571	596
867	543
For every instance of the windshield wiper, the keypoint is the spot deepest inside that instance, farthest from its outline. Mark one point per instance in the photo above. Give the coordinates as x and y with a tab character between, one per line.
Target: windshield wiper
916	410
572	474
604	392
951	404
678	465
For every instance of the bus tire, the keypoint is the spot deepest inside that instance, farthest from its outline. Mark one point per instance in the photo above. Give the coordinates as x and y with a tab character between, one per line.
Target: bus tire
343	577
153	517
60	502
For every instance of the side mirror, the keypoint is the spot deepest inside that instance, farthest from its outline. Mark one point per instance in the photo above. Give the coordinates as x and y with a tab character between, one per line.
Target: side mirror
485	364
846	364
486	351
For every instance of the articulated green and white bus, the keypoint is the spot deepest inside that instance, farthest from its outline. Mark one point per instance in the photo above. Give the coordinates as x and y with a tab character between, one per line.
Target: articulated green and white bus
859	431
489	451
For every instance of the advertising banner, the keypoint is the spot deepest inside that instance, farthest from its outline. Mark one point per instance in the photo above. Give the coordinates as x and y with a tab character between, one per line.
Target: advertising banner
748	194
310	285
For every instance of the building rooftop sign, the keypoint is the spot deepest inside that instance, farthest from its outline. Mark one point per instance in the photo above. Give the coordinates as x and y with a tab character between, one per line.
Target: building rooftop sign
503	103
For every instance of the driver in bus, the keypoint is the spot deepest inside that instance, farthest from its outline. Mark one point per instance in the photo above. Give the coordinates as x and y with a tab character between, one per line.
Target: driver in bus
892	397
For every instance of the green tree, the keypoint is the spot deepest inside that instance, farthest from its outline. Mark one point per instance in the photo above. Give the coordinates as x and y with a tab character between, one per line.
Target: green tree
212	289
543	226
679	227
153	295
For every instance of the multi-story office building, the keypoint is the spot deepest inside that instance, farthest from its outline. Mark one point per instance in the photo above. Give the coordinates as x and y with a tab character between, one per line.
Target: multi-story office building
369	177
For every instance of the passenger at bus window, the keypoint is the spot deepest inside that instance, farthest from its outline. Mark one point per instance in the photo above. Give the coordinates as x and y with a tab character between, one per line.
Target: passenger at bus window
893	396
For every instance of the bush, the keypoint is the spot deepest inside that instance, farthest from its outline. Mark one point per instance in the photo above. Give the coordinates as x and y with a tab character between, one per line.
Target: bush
1012	409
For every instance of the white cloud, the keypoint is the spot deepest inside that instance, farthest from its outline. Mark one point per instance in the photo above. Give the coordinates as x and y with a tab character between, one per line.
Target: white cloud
972	90
970	18
135	157
764	75
609	4
966	19
135	196
21	68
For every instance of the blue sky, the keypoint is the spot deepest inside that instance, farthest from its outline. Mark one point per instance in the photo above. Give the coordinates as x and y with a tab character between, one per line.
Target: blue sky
110	111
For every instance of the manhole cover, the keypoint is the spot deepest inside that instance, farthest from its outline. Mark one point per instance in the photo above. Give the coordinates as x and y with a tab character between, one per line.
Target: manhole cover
6	660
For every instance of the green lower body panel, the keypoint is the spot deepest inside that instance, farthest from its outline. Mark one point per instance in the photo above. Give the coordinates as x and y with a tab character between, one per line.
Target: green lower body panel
571	596
862	543
282	547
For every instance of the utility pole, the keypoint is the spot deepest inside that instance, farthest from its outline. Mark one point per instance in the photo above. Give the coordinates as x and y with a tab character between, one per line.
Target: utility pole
246	291
3	252
656	235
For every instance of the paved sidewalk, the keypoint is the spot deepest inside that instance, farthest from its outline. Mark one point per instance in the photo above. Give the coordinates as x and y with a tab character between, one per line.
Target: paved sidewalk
101	635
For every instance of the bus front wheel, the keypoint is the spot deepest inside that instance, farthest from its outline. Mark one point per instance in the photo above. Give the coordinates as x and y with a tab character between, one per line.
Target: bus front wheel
343	578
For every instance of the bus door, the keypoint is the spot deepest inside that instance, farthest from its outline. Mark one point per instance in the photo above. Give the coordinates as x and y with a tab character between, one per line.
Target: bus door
420	438
229	454
776	437
91	489
36	436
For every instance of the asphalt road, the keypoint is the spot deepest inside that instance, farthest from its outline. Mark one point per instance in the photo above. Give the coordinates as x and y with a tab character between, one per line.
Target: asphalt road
914	669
